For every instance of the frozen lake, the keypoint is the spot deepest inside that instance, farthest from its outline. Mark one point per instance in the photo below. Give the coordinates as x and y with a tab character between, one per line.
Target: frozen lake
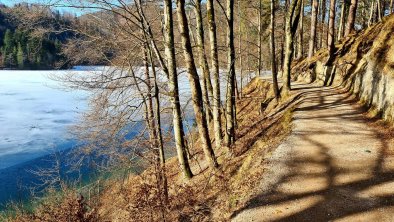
35	115
35	112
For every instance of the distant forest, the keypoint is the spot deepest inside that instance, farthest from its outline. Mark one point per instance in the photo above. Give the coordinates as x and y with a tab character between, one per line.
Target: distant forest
34	37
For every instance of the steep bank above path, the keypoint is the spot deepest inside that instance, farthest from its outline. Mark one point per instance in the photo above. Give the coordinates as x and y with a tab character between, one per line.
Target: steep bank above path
363	63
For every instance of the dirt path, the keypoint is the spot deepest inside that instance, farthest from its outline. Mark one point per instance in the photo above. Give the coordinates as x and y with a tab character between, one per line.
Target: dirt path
333	167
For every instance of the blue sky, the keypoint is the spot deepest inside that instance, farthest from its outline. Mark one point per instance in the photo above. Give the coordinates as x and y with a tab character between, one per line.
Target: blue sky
61	9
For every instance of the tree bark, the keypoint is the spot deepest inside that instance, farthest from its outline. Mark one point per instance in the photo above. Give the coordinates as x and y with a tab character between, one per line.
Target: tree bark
260	42
215	71
351	17
300	52
291	28
159	133
312	40
341	28
240	23
195	86
230	95
323	23
331	31
370	20
273	59
174	91
379	6
331	27
206	81
282	44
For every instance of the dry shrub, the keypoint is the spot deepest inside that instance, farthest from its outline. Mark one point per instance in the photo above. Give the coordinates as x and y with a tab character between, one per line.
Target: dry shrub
56	206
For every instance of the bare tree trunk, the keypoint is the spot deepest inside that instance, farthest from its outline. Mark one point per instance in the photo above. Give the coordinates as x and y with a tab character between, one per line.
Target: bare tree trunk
153	118
240	47
260	43
206	81
323	23
291	28
159	133
331	27
300	52
230	97
391	6
195	86
341	28
364	16
173	88
273	59
370	21
379	6
312	40
248	54
331	31
351	17
282	48
215	70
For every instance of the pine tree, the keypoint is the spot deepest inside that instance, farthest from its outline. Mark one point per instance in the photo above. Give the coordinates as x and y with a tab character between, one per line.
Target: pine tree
20	56
8	48
8	41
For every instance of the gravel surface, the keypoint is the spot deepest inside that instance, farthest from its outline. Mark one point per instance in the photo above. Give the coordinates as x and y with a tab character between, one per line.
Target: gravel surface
333	167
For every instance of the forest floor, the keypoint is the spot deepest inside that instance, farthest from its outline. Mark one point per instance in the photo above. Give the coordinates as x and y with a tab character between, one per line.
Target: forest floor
337	165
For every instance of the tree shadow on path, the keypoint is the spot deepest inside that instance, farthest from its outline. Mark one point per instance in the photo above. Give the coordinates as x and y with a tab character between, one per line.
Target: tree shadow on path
328	196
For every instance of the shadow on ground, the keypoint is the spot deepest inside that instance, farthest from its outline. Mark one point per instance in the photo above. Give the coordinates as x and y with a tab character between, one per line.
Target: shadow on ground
319	187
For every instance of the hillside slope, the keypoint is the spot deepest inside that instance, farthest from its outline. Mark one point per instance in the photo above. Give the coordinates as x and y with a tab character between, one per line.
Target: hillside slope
363	63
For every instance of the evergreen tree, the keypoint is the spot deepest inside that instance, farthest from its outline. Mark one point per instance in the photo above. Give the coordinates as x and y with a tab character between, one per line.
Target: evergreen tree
20	56
8	59
8	41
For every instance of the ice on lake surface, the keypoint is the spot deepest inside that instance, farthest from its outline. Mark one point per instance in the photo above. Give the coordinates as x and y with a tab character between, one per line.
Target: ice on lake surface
35	113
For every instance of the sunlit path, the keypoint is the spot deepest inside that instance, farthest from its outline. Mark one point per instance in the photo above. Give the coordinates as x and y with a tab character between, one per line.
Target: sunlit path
334	166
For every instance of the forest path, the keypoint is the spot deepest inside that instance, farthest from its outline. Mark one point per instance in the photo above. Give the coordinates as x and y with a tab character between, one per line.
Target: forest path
333	167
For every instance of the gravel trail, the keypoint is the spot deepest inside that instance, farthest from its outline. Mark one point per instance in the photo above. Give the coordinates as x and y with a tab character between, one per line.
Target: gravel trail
333	167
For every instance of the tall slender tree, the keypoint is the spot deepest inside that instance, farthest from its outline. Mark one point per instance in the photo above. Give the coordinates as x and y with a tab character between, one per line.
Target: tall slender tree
323	23
331	27
216	104
330	42
351	17
174	90
206	77
292	20
230	97
312	40
240	52
273	57
195	86
341	29
260	41
372	12
300	52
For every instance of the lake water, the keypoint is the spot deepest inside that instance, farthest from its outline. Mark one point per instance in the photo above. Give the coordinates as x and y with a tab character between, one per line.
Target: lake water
35	115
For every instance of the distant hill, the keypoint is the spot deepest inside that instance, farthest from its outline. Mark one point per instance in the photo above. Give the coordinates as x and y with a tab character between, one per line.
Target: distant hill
33	37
